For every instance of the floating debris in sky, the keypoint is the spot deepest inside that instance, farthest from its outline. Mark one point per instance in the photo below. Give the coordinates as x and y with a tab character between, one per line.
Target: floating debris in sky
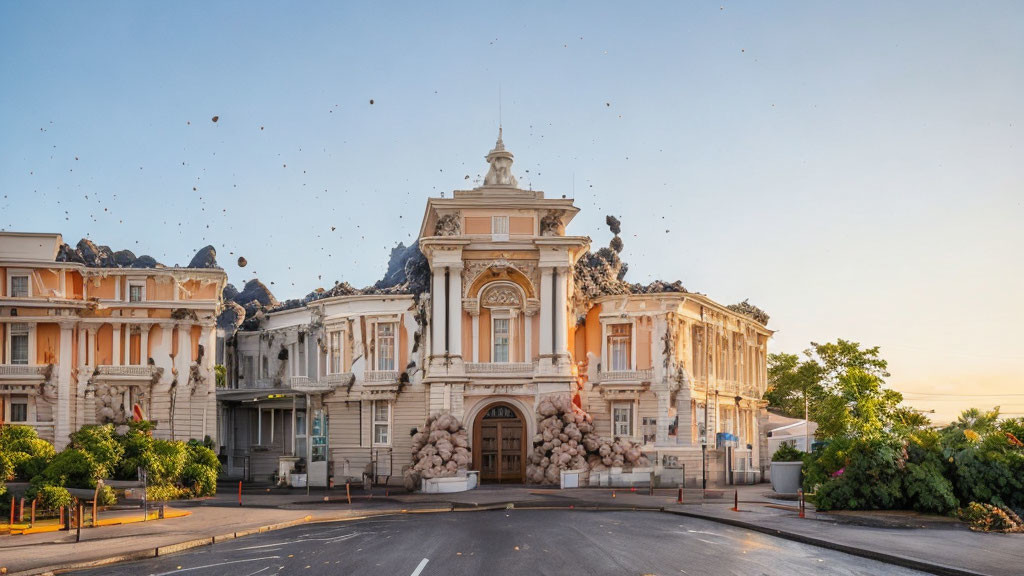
215	118
242	262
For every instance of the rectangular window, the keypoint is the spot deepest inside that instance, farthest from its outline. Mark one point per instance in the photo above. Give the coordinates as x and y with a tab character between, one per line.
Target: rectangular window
499	228
381	422
19	343
19	287
19	411
619	346
248	368
135	292
334	364
266	368
622	419
386	346
650	429
300	369
500	339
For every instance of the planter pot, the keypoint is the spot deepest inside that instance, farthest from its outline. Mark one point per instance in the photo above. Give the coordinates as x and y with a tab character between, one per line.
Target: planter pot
449	484
786	477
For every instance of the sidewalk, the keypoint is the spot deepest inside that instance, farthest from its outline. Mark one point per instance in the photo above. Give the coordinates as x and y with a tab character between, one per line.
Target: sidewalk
926	543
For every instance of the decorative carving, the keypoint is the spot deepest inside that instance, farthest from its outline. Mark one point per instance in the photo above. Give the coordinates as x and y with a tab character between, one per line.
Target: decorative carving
551	224
502	296
474	268
448	225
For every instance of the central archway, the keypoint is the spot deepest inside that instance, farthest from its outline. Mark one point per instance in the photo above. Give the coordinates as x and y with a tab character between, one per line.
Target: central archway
499	444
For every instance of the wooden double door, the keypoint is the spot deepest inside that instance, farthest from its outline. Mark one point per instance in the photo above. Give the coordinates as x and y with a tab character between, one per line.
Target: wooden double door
498	446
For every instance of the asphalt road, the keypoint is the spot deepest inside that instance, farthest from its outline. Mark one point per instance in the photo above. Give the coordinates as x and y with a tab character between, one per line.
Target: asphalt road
534	542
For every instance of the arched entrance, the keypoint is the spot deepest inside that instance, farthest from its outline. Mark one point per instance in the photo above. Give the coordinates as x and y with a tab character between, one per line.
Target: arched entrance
499	444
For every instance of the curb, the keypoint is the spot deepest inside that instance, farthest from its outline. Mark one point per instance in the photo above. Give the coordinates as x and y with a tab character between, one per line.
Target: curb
902	561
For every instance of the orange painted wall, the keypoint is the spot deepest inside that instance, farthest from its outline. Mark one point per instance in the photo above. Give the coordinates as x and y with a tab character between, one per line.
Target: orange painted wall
643	345
3	281
467	337
104	351
478	225
47	343
196	333
149	343
159	290
520	225
134	348
593	331
535	337
105	288
485	335
74	285
46	282
519	354
195	290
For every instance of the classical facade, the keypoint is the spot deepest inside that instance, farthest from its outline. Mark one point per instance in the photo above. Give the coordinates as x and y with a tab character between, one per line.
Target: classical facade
335	386
96	340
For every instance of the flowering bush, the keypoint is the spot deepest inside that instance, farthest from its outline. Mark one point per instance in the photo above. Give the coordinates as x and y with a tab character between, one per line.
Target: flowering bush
989	518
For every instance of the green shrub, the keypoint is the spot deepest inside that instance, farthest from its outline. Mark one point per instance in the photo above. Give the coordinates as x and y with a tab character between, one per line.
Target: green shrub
51	497
200	472
165	492
99	444
166	460
926	487
988	518
71	468
787	453
22	452
106	496
856	474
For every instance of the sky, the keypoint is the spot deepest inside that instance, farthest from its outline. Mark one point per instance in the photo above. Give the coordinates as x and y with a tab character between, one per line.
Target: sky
855	169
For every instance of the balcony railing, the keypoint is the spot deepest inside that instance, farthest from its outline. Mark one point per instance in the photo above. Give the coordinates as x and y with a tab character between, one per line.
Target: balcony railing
380	376
626	375
500	368
22	370
145	371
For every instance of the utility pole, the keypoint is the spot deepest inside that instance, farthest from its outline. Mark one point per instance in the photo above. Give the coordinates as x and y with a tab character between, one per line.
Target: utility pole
807	423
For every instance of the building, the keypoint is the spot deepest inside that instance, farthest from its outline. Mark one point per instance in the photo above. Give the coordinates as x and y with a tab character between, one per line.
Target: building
334	385
91	336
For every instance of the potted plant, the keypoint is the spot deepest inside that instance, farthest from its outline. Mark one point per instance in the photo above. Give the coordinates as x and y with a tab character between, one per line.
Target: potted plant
786	464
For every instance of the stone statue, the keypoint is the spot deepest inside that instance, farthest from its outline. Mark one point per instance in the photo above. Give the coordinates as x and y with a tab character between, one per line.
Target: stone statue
551	224
500	172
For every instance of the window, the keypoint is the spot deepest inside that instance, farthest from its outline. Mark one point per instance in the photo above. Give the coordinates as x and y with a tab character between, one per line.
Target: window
334	362
135	293
386	346
19	410
19	287
619	347
499	228
381	422
650	429
248	368
300	368
266	368
19	343
622	419
500	340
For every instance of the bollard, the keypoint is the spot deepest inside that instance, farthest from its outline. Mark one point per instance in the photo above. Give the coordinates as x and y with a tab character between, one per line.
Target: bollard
679	500
95	512
81	512
348	493
736	501
21	510
60	518
239	492
12	510
613	493
32	522
801	504
160	513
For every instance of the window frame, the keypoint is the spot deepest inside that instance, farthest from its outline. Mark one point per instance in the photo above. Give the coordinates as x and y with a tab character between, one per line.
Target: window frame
30	332
378	357
19	400
375	422
335	365
499	223
626	340
630	407
507	319
13	273
141	285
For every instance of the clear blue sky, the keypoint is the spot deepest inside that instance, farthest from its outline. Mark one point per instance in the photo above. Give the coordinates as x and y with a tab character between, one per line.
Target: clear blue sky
855	169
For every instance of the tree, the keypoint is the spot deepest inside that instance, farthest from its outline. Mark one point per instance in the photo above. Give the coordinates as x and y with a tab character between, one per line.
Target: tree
843	386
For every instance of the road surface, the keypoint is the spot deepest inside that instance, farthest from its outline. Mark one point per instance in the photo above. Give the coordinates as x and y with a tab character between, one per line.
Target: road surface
492	543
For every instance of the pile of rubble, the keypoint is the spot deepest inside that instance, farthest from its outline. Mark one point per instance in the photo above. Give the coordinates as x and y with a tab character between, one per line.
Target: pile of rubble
748	309
566	440
438	450
88	253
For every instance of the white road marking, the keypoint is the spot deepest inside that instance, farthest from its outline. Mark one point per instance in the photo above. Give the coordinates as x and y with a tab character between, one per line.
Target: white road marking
217	564
423	564
260	570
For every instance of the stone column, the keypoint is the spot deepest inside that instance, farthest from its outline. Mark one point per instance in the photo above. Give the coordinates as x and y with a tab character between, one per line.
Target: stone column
455	309
144	343
63	416
82	338
437	317
561	327
546	312
115	354
207	339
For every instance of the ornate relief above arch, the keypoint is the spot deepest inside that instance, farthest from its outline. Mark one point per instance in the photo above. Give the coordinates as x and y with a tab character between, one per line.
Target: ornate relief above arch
502	294
479	273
